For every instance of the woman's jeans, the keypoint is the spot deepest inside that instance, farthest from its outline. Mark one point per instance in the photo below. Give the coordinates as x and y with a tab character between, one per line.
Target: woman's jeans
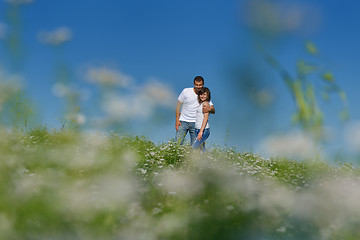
201	144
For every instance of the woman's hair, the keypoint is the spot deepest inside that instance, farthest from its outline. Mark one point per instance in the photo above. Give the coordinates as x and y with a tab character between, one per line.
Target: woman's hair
204	90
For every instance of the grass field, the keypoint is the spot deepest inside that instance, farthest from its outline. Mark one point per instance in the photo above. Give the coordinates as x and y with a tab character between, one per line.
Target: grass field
73	185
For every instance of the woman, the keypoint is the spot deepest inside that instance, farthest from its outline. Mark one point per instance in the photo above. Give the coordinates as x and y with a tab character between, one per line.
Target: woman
202	129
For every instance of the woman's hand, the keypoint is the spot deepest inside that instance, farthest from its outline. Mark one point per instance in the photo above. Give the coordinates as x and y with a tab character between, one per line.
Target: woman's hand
199	136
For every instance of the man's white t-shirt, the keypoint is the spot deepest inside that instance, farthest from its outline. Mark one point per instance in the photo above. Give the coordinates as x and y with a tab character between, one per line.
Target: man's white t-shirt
189	100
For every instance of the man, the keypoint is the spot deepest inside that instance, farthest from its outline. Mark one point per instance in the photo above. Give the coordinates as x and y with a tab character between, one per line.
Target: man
188	102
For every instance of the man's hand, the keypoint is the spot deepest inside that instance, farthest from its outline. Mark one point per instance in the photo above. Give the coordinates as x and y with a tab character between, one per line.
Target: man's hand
177	115
177	124
206	108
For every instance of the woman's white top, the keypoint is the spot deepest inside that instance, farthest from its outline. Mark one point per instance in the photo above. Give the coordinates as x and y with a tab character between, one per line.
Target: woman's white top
200	117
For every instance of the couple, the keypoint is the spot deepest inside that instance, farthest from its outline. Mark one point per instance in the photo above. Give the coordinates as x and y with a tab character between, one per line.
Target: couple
195	108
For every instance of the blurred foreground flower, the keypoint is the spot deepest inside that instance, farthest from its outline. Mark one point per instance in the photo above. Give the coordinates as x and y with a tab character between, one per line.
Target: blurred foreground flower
262	97
108	77
77	118
68	91
3	29
73	185
61	90
56	37
278	17
19	2
352	136
9	85
140	103
157	93
292	145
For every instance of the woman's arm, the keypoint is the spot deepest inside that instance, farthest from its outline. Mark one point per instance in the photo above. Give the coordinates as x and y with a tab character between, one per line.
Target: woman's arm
203	125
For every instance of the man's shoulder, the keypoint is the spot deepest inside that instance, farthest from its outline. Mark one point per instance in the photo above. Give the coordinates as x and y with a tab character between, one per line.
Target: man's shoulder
187	90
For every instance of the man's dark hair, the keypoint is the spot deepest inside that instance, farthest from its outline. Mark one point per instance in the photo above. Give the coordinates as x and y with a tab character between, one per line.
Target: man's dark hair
198	79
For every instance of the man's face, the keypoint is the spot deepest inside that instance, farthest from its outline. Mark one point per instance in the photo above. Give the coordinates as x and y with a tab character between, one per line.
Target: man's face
198	85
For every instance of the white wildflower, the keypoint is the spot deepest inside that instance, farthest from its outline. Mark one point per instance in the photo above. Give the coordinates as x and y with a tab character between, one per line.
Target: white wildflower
230	208
143	171
281	229
156	211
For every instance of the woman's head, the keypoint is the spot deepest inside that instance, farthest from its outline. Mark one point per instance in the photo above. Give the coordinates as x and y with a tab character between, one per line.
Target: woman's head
204	95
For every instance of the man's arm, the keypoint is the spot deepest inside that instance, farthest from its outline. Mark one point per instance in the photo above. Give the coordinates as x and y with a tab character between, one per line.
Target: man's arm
177	115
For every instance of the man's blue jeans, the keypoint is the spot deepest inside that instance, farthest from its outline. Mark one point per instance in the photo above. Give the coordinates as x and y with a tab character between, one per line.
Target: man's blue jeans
183	130
201	144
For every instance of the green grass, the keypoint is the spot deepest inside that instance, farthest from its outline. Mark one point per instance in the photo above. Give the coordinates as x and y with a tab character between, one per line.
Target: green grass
73	185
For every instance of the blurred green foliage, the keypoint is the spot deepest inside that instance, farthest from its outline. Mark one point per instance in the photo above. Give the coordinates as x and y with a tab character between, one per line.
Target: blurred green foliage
72	185
306	92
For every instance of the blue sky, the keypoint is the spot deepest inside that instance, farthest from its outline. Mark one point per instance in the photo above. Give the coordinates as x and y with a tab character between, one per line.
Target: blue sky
173	41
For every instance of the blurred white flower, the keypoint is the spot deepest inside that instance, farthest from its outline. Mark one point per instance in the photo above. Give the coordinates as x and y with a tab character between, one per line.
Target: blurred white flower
6	226
116	189
293	145
185	185
123	107
263	98
9	86
56	37
78	118
171	222
344	194
278	197
157	93
140	103
332	202
6	91
281	16
61	90
352	136
19	2
108	77
3	29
